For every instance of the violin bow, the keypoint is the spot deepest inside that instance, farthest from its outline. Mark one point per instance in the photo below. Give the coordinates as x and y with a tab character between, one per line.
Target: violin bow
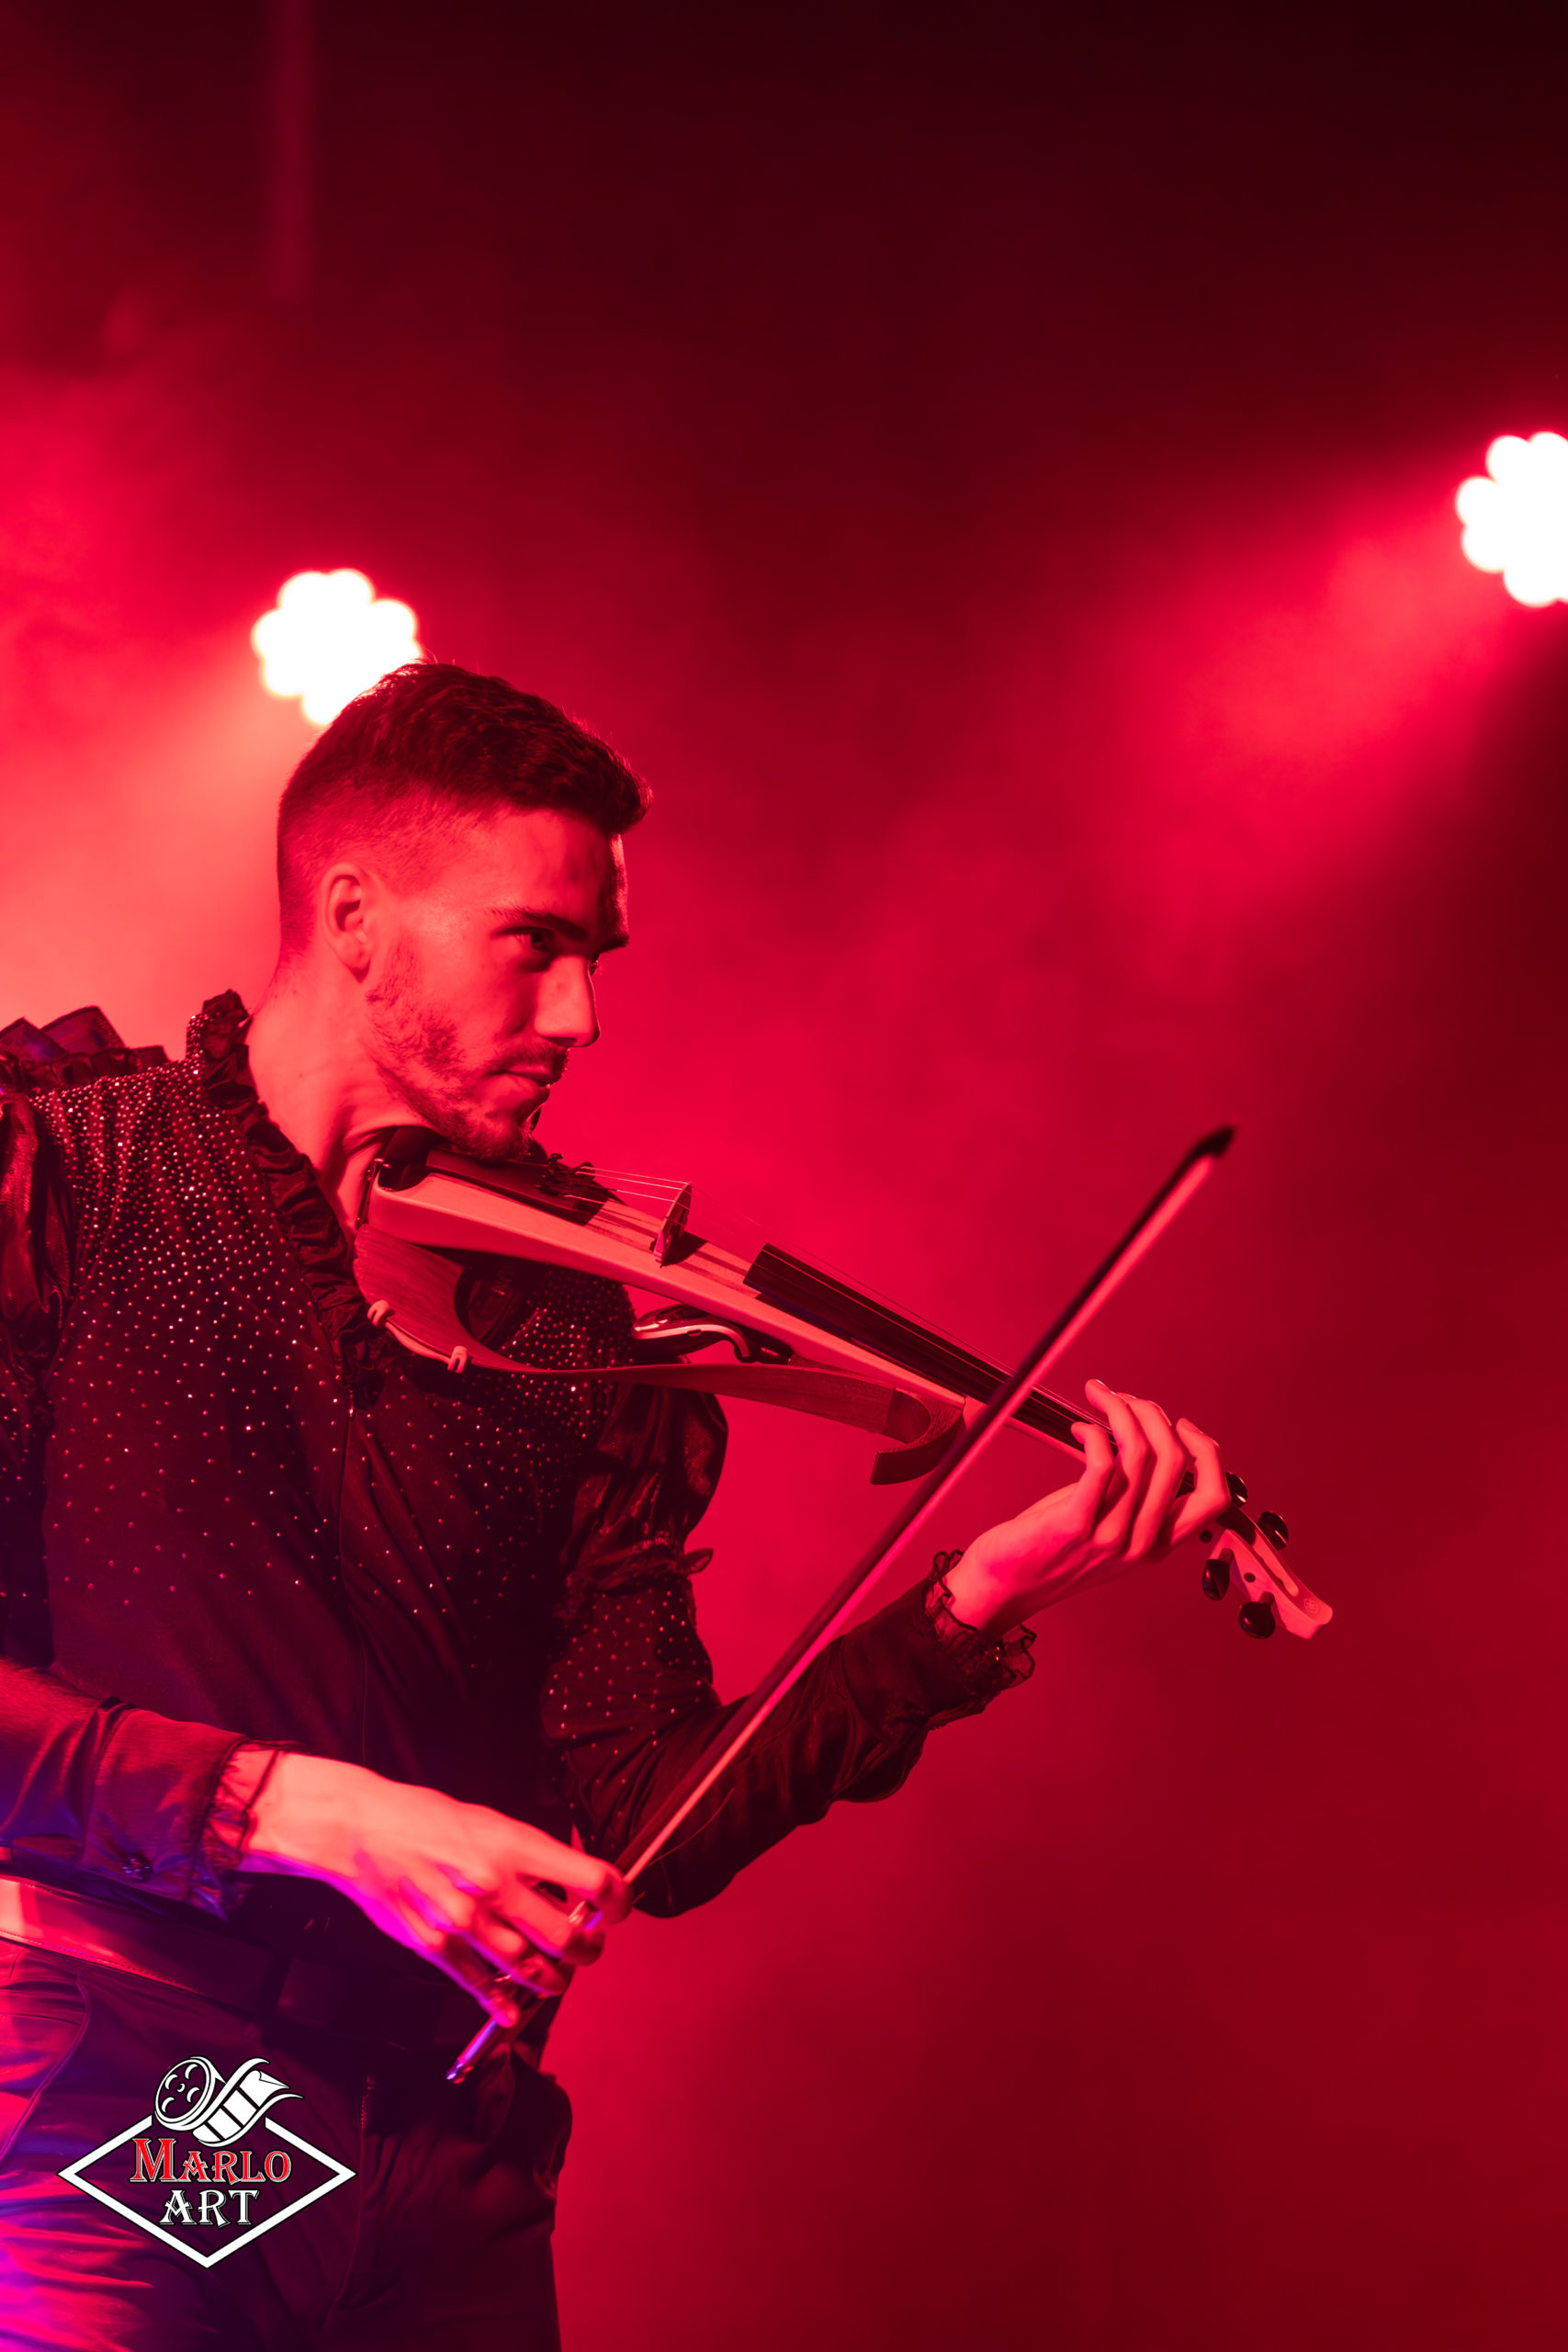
968	1443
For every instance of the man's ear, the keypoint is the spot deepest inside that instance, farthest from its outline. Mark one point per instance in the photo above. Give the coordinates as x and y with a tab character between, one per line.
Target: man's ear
346	908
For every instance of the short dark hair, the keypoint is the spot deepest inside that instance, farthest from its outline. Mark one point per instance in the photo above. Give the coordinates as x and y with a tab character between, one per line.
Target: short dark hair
427	748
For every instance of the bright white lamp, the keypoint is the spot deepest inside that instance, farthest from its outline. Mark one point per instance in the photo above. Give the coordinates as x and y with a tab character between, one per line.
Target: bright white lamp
328	638
1516	517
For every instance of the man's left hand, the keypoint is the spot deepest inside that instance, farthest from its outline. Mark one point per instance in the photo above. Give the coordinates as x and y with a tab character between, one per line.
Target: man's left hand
1125	1508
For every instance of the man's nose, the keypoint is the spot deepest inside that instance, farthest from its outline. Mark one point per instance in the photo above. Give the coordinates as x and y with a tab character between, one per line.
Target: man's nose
566	1011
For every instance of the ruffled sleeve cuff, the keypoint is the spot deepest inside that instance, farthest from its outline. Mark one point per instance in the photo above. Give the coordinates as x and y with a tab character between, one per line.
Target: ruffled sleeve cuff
988	1666
221	1845
916	1665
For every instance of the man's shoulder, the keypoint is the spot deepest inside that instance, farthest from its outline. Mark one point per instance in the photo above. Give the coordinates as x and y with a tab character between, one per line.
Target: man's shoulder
74	1050
97	1101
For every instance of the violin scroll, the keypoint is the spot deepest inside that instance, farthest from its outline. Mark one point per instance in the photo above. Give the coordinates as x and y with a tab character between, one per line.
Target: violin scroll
1271	1595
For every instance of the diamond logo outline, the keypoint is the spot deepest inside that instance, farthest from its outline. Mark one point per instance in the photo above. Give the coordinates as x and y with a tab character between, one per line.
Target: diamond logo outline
337	2175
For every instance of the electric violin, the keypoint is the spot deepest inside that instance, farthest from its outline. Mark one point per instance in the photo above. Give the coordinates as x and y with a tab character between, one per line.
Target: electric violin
438	1230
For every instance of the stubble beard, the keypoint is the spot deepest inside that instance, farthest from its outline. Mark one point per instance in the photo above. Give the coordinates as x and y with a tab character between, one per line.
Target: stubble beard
415	1047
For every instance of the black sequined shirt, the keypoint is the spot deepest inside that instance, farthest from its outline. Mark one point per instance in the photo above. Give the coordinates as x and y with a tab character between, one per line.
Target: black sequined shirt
231	1511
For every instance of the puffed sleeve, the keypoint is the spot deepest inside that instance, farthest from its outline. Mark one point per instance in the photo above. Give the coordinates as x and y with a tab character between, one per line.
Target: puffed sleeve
116	1790
35	1241
631	1701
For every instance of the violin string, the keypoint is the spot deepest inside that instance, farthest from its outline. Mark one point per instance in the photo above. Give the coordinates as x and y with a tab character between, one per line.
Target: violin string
711	1217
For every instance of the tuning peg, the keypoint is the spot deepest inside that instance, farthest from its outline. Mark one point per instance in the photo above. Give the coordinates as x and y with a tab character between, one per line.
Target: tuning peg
1237	1486
1258	1618
1217	1575
1274	1527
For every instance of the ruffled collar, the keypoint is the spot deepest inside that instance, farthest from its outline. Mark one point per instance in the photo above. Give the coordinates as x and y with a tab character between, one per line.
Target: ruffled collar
216	1048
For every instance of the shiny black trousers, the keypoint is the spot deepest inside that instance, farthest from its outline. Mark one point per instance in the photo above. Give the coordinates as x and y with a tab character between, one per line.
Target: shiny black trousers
441	2236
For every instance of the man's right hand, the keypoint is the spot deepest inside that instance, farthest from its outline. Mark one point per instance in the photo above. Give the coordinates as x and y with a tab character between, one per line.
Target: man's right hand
458	1883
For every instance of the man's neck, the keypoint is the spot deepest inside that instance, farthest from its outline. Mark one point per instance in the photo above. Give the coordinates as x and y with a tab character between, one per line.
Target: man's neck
310	1070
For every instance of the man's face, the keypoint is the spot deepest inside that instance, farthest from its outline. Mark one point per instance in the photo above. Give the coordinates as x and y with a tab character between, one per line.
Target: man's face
480	979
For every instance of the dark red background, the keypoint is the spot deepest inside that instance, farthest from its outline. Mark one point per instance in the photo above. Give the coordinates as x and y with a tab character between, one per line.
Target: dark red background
993	469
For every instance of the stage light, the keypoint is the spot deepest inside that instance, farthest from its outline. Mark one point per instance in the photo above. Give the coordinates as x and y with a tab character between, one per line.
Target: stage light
1516	517
328	638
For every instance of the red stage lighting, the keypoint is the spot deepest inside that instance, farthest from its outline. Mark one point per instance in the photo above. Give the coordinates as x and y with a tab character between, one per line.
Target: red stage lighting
1516	517
328	637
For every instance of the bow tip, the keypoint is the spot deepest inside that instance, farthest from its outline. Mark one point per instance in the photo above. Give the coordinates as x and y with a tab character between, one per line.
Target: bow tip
1214	1146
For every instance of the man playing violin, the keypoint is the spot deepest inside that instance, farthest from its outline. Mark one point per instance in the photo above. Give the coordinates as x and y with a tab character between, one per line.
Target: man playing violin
320	1655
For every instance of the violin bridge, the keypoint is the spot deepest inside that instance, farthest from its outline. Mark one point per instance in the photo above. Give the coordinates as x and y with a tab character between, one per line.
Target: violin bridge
644	1213
672	1225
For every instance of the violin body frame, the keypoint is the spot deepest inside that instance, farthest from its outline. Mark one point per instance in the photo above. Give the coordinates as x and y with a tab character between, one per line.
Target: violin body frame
791	1336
